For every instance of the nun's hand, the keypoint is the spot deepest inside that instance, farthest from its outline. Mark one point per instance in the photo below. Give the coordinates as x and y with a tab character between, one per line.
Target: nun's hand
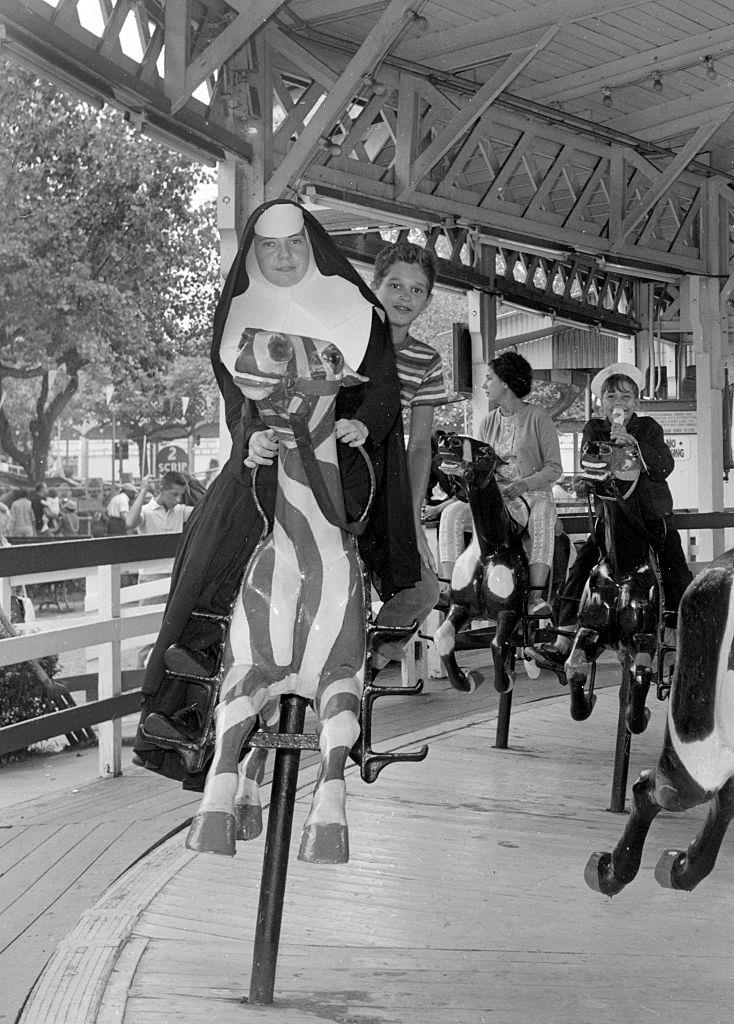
262	449
351	432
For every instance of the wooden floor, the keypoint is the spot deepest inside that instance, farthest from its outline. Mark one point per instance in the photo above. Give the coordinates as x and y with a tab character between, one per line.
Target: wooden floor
59	854
463	901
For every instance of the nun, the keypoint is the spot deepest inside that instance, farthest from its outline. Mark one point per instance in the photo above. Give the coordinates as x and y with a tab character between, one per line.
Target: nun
288	276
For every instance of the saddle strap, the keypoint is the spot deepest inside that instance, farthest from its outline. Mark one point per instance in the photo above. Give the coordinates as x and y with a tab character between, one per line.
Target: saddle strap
315	477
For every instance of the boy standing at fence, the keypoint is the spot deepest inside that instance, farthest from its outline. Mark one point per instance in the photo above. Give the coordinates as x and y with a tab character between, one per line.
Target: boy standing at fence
617	387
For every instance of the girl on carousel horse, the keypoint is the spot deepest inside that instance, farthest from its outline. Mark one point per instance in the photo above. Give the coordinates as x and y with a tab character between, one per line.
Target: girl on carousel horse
617	388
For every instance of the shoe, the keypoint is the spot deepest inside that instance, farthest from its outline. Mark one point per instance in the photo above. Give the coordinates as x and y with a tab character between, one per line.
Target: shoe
183	661
540	609
547	655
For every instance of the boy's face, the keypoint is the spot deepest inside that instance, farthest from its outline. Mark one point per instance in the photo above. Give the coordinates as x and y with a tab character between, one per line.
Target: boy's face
404	293
171	496
622	397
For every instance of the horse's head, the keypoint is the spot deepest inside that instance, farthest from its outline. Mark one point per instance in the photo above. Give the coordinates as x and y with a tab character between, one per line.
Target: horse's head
465	457
288	374
609	468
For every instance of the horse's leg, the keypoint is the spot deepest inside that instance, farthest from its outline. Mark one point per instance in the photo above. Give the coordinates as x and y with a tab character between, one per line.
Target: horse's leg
445	640
502	645
241	699
325	837
587	646
247	806
642	653
608	873
685	869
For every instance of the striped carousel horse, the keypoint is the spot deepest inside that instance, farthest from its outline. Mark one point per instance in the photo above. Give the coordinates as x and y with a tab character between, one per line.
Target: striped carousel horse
298	625
696	764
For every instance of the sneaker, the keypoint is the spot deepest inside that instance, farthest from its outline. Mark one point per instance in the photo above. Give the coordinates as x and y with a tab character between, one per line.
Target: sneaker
539	609
547	655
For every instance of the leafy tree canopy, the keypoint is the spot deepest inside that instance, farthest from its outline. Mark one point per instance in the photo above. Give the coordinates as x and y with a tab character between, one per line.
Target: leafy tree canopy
107	268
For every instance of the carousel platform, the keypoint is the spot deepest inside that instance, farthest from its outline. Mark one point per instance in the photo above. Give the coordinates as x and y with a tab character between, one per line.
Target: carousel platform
463	902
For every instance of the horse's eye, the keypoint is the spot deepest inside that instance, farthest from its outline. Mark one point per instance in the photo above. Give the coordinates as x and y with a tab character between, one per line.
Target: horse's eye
333	358
280	348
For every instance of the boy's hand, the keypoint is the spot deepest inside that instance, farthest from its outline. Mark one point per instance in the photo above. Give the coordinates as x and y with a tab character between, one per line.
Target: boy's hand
619	434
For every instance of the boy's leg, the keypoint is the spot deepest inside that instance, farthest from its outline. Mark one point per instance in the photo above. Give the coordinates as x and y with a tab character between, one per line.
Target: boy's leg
673	568
403	608
568	602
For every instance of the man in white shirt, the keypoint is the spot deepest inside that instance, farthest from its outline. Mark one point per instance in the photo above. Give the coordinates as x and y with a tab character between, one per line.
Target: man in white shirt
118	508
163	514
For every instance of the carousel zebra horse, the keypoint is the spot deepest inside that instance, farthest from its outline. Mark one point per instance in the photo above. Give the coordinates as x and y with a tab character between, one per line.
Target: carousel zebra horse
490	578
621	606
298	625
696	764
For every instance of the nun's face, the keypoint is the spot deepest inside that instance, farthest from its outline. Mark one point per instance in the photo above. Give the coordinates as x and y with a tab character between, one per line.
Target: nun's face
283	261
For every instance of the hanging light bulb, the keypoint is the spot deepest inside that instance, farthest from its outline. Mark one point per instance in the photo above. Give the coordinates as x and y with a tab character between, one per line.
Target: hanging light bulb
606	98
710	69
657	82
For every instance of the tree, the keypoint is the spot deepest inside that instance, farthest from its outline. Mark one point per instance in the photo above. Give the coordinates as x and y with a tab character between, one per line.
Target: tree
106	266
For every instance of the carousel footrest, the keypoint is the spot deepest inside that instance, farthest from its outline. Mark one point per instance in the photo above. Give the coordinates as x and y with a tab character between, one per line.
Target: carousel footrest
371	761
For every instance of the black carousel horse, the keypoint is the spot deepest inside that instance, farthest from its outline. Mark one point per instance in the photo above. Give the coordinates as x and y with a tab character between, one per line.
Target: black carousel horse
621	607
697	761
490	578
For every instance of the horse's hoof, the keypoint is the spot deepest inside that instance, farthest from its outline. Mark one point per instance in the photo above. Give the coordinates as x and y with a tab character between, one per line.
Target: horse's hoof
598	876
465	682
581	708
665	869
212	832
325	844
249	821
637	724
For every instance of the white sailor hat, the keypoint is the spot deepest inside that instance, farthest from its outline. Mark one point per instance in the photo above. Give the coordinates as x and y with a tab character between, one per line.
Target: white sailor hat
626	369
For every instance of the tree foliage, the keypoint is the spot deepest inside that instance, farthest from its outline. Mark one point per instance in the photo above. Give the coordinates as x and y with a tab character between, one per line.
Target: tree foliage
107	268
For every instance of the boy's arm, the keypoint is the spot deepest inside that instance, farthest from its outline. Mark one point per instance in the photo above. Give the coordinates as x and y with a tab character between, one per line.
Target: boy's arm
657	457
419	468
132	519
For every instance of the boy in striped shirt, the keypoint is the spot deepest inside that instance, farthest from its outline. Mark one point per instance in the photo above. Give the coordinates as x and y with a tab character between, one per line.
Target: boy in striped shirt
403	281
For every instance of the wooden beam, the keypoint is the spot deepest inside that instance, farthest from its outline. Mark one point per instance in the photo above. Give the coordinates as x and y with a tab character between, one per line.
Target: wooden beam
252	17
396	17
311	66
663	183
178	29
473	109
626	70
555	12
663	113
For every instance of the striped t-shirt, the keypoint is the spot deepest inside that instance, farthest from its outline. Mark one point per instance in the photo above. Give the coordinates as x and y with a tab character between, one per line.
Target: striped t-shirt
421	374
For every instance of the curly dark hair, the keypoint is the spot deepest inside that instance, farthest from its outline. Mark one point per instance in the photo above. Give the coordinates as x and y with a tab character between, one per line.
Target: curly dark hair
515	371
404	252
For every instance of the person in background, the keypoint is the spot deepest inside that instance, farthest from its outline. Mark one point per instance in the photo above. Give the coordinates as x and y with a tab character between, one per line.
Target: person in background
118	508
166	513
68	519
525	438
52	509
4	518
212	472
404	276
617	388
22	522
40	519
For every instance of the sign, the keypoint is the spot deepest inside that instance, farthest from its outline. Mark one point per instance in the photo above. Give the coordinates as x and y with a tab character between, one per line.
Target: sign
172	459
680	446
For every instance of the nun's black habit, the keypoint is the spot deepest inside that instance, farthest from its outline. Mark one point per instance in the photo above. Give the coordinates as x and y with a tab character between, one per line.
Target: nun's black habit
226	524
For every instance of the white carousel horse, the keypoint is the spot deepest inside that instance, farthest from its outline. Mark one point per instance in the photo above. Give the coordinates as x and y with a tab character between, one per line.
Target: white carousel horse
697	761
298	626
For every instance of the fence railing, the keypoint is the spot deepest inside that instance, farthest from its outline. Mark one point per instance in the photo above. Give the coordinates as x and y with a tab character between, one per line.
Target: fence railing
107	623
111	620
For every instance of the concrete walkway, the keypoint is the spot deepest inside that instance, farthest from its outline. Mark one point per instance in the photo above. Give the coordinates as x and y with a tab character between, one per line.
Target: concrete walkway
463	903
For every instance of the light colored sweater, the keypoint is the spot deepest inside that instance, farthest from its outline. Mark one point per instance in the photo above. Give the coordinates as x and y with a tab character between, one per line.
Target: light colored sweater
536	444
